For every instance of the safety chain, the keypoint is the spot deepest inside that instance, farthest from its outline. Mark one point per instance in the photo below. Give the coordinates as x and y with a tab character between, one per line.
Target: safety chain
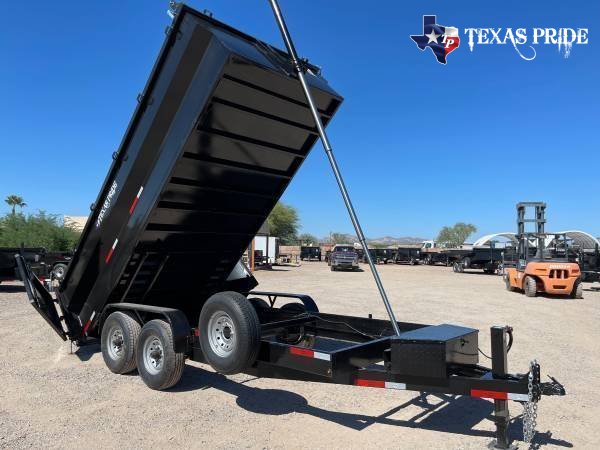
530	412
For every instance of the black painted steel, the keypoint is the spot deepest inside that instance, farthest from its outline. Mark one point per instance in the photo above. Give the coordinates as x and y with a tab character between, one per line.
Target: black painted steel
221	128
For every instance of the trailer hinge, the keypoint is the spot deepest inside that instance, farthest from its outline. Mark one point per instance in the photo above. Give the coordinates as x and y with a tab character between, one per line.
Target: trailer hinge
140	97
208	13
173	7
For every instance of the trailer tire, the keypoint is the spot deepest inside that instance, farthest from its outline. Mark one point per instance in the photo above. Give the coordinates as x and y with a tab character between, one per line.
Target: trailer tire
577	291
229	332
58	271
118	342
455	267
158	364
530	286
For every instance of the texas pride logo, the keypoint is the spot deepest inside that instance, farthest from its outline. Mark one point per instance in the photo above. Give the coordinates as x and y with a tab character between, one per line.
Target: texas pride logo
440	39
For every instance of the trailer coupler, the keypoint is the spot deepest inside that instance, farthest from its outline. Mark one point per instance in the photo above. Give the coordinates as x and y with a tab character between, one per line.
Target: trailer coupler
553	387
538	388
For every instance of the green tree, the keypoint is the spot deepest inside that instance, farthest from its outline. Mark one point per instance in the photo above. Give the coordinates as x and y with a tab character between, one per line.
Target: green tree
37	230
283	223
15	200
307	238
456	235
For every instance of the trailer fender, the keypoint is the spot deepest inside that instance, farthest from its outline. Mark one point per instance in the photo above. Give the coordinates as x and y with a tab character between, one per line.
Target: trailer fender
307	301
145	313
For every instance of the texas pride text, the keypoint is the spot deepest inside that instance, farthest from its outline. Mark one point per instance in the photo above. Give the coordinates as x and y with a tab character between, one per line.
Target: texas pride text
565	38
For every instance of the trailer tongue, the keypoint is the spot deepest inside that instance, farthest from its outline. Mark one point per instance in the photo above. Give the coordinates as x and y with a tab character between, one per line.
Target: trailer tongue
222	126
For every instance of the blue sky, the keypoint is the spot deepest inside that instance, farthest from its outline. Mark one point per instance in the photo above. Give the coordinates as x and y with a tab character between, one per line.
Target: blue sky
421	145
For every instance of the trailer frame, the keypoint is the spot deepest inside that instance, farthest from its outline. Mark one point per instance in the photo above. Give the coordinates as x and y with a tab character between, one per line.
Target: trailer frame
330	348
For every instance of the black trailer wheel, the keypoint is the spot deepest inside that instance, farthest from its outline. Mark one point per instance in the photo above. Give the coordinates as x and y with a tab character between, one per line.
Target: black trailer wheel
530	286
118	341
455	267
58	271
411	262
577	291
229	332
158	364
333	268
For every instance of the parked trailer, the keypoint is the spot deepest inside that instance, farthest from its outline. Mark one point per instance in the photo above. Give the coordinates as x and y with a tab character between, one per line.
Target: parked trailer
379	255
410	255
268	247
589	262
221	128
310	253
431	254
488	259
44	264
8	265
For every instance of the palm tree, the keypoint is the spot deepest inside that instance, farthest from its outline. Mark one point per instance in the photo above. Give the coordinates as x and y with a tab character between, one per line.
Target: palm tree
14	201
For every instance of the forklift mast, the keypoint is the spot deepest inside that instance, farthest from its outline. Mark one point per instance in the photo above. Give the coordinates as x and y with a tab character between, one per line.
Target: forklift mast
539	220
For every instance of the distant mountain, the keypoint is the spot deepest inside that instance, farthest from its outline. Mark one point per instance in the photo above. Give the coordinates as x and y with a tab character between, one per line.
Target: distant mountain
383	241
390	240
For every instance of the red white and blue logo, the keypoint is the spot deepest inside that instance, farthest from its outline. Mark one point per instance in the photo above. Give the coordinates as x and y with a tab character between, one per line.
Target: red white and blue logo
440	39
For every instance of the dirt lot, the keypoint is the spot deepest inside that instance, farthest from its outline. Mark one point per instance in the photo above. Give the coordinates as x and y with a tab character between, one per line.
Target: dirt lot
50	398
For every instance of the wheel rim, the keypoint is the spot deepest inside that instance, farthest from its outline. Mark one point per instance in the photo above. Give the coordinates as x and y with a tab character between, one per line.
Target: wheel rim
115	342
153	355
221	334
59	272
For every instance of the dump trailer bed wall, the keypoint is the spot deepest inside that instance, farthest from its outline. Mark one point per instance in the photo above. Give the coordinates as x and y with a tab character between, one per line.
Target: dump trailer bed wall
221	129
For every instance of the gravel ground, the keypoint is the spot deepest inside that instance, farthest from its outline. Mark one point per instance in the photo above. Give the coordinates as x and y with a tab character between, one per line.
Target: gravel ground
53	399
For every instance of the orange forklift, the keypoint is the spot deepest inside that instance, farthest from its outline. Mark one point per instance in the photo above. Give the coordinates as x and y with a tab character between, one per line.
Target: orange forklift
537	268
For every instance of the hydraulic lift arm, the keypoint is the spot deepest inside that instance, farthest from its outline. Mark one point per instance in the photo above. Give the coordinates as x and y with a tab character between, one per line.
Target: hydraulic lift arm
300	69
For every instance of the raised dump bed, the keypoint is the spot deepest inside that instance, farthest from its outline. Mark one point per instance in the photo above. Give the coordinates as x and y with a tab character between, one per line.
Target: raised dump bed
487	259
221	128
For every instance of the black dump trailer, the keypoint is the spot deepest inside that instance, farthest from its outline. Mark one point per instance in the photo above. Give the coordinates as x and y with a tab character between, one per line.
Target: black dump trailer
408	255
488	259
379	255
34	256
310	253
221	128
385	255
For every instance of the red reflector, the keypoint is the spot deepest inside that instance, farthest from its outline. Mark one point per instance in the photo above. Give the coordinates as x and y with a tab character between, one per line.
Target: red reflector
109	255
196	332
370	383
132	207
302	352
489	394
87	326
135	200
110	252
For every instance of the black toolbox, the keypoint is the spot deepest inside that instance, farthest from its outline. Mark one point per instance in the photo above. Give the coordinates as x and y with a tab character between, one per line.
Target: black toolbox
427	351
